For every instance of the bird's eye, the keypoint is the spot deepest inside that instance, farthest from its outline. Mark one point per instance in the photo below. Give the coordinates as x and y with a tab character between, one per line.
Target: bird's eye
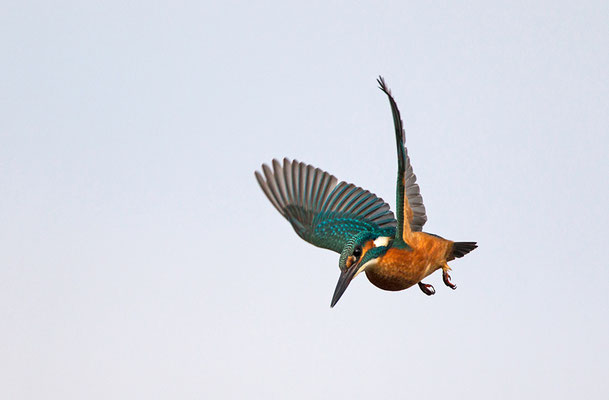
357	252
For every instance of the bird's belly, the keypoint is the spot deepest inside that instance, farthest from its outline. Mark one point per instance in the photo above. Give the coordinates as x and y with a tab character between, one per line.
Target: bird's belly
400	269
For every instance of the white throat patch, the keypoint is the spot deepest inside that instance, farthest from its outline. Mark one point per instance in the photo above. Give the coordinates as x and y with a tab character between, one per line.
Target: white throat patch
363	267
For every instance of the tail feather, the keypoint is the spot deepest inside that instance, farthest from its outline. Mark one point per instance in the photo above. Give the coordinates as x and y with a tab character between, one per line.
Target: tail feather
462	248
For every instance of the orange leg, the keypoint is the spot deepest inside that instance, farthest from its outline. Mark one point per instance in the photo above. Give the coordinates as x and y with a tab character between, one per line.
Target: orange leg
446	277
427	289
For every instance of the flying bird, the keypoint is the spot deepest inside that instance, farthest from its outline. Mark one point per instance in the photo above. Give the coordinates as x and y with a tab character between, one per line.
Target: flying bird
393	251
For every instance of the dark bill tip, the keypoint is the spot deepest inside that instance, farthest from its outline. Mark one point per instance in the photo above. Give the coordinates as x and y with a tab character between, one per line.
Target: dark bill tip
343	281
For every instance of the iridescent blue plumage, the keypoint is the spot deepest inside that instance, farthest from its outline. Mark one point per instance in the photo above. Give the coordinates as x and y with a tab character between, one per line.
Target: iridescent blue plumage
394	254
410	211
323	212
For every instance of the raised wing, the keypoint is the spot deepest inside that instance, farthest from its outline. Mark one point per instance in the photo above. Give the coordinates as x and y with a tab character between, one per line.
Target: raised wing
323	212
410	211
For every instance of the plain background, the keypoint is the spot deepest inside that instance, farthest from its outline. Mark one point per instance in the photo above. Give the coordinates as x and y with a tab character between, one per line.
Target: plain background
139	259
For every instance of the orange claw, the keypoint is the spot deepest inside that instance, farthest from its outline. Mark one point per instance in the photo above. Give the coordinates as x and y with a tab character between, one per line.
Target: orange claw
447	282
427	289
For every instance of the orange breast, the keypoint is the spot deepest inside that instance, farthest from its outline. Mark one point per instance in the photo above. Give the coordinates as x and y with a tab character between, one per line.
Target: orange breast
398	269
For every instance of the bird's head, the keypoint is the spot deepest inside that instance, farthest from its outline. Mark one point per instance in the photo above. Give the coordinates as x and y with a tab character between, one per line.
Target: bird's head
360	252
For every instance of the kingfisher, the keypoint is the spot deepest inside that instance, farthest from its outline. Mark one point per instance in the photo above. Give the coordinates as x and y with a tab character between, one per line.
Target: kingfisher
392	250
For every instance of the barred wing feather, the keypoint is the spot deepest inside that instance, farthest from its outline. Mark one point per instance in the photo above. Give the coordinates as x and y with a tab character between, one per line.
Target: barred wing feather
323	211
410	210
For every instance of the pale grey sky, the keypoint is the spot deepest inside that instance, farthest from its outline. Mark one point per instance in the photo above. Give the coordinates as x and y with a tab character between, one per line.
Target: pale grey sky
139	258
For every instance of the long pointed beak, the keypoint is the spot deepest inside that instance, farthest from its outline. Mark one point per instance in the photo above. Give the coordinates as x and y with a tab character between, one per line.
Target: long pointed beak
343	281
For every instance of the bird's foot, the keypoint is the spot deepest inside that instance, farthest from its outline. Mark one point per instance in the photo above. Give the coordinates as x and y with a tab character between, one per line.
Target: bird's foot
446	279
427	289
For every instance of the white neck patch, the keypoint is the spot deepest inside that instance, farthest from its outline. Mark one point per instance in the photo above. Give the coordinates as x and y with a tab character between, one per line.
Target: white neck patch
382	241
